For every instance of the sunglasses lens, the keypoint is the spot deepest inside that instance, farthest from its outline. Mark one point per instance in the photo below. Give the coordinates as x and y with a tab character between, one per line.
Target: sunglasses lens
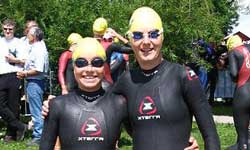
137	35
97	62
154	34
10	29
81	62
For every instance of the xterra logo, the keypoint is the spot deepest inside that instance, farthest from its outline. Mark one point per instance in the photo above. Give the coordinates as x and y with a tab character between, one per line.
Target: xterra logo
91	131
147	109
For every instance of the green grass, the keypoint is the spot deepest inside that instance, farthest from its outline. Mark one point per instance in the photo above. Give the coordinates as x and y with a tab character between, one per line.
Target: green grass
226	133
222	108
13	145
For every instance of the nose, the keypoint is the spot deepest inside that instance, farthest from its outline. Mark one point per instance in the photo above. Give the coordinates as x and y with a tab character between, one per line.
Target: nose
89	68
146	39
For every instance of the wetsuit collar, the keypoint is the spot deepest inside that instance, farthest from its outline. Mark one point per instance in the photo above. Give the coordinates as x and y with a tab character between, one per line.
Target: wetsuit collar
152	72
91	96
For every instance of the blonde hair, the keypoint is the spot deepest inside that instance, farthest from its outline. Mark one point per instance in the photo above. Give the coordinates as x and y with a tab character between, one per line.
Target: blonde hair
89	44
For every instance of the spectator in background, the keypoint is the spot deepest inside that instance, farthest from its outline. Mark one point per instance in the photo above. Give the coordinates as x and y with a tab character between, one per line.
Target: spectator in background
25	40
12	58
239	66
35	70
65	66
29	24
27	46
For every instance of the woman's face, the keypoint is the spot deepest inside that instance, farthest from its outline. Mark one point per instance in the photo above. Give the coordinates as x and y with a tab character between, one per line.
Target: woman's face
146	43
89	71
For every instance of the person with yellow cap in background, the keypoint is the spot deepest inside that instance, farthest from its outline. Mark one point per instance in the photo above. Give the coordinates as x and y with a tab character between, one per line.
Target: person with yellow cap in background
100	26
90	117
239	67
65	68
107	36
102	32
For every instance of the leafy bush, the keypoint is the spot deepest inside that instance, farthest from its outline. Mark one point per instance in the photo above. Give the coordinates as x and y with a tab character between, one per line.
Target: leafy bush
184	20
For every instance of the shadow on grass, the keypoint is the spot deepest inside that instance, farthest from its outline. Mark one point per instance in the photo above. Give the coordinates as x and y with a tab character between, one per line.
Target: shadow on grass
123	141
222	108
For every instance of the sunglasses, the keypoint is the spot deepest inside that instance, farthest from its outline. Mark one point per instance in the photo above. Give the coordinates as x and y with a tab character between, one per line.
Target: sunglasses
152	34
5	29
95	62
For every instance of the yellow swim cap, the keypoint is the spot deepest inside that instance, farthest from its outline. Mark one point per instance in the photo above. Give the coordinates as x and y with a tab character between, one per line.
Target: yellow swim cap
100	26
73	38
145	16
234	41
89	45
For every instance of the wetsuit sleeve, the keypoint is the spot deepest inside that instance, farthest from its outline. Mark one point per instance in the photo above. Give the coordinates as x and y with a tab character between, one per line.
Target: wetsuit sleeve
51	124
115	47
198	105
121	86
125	122
62	64
234	65
116	64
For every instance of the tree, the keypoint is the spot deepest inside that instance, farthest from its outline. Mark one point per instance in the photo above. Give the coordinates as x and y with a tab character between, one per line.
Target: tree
184	20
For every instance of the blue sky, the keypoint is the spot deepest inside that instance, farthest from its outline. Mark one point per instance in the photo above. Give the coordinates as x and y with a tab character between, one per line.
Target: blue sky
244	20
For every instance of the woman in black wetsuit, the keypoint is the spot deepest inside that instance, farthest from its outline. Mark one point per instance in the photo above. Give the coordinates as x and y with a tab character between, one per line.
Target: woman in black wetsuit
239	66
88	118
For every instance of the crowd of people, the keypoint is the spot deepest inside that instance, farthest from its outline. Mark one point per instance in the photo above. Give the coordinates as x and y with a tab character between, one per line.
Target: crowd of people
22	58
99	92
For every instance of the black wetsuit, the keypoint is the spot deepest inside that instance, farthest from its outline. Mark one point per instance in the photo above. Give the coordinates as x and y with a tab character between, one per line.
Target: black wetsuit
239	64
161	103
84	121
69	75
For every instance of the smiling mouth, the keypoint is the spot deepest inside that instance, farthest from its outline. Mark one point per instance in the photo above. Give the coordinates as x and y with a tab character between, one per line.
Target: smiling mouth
90	77
147	50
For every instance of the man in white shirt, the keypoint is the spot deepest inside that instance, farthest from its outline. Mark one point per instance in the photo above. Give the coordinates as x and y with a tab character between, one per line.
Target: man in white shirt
35	69
12	59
